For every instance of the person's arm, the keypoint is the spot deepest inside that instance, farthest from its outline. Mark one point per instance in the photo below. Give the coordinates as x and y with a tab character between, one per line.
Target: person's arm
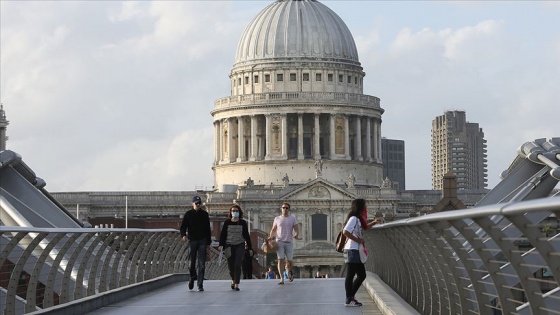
296	230
273	230
223	234
349	235
184	227
374	222
247	237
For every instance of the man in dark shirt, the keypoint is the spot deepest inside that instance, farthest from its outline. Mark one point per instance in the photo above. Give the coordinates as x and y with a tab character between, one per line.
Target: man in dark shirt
196	228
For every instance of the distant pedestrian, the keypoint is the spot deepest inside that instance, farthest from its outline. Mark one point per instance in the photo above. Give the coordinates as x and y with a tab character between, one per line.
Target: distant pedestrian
234	236
247	264
270	273
285	228
195	228
356	222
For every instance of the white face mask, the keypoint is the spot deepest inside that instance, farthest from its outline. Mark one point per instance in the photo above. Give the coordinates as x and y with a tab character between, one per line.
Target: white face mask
235	215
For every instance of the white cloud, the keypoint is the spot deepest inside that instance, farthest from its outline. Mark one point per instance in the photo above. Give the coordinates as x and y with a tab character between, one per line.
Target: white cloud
105	95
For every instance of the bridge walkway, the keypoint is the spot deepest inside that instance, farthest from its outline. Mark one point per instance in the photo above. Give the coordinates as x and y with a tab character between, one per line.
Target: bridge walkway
303	296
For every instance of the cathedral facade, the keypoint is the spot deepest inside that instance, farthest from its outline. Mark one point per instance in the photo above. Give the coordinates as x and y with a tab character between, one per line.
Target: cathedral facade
297	127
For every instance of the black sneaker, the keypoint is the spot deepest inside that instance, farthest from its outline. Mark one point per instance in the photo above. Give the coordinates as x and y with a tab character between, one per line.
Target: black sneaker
191	283
200	289
352	302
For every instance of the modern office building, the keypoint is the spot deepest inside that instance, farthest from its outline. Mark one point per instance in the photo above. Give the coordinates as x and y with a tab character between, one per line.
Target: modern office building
458	146
393	157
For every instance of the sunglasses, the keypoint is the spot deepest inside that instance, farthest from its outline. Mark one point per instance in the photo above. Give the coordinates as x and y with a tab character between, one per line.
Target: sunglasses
198	203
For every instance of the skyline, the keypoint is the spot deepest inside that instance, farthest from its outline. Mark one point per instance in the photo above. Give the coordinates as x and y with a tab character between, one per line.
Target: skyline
111	95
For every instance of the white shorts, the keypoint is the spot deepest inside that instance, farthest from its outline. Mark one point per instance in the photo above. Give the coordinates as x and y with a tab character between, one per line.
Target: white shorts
286	250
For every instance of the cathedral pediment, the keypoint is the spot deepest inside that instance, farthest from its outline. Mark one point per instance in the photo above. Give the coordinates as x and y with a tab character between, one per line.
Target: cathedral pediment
319	189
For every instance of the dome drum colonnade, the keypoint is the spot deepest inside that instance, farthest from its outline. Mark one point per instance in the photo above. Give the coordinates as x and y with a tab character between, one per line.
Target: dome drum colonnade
296	98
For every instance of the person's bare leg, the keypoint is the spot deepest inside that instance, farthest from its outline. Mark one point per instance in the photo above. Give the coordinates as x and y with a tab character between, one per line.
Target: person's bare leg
281	269
289	270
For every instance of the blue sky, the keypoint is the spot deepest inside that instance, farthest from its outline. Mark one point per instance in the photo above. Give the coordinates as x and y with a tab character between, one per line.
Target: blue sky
110	95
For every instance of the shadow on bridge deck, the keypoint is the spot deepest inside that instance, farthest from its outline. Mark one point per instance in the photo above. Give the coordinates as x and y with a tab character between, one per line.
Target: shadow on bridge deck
303	296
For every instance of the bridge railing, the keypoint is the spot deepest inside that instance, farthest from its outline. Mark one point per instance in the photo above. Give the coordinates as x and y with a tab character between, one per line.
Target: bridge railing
497	259
40	268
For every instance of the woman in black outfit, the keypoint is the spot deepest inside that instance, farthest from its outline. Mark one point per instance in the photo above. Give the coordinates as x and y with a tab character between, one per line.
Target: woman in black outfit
356	222
234	236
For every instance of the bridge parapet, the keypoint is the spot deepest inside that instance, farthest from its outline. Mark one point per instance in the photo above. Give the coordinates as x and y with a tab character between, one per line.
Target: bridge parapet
44	267
498	258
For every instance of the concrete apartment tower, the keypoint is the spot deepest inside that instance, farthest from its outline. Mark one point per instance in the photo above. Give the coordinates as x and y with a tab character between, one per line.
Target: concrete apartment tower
458	147
297	109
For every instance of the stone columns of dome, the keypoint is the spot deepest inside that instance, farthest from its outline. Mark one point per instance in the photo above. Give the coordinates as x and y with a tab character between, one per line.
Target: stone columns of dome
284	136
317	134
347	140
368	139
300	155
359	138
217	150
377	140
230	143
331	137
224	140
254	147
267	136
240	140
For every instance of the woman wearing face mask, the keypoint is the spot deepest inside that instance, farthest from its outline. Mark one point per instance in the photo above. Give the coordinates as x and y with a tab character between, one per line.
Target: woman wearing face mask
234	235
356	222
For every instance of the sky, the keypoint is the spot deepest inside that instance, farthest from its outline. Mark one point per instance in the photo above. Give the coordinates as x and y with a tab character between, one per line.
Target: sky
116	96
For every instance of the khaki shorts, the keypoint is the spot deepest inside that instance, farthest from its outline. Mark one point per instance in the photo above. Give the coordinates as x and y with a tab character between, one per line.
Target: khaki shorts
286	250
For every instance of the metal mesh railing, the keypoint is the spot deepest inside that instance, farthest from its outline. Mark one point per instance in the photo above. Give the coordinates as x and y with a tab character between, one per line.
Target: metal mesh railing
40	268
497	259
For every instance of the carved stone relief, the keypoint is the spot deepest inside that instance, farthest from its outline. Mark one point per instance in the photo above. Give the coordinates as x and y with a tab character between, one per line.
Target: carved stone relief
225	137
319	192
339	135
276	133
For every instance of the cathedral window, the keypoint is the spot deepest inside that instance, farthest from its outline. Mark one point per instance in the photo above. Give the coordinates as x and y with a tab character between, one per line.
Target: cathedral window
246	80
279	77
292	76
238	81
318	77
256	79
349	79
340	78
330	77
267	78
319	227
306	77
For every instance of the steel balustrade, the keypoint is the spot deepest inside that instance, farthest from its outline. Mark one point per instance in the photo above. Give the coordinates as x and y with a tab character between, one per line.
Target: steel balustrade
44	267
496	259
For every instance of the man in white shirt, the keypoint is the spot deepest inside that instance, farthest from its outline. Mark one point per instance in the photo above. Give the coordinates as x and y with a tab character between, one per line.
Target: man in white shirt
285	228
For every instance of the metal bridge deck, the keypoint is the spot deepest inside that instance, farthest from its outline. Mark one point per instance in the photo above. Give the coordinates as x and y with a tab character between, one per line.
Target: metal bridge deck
303	296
